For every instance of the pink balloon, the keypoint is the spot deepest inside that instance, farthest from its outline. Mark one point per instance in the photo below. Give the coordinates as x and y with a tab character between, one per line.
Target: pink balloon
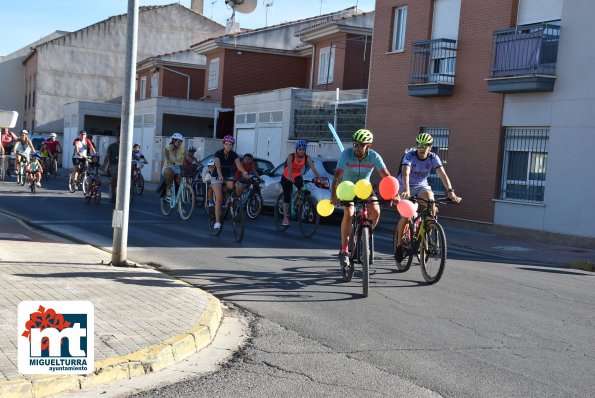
389	187
406	208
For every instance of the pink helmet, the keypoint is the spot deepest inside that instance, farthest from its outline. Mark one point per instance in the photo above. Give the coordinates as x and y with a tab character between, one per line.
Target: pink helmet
229	138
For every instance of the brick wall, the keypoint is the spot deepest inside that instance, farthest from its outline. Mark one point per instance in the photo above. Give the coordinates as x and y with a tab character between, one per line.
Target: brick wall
357	62
176	86
472	114
250	72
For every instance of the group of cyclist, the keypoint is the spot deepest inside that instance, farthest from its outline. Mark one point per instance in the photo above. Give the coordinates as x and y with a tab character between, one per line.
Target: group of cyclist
355	163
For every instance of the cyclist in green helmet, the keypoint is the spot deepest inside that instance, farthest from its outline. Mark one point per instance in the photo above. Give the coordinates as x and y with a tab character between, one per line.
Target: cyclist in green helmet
416	166
356	163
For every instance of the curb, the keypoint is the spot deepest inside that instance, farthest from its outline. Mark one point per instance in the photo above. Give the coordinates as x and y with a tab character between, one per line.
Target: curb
138	363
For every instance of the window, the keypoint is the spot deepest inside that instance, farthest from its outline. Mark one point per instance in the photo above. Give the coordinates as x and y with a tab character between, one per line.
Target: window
440	148
214	74
143	87
399	26
326	66
524	164
154	84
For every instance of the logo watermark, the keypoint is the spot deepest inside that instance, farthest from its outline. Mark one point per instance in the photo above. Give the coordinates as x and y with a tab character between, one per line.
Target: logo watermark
56	337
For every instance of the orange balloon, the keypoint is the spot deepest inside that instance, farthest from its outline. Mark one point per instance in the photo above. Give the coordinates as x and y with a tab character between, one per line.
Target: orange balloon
389	187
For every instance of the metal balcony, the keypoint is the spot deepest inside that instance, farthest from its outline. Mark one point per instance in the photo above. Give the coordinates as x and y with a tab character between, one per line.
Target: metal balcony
433	68
524	59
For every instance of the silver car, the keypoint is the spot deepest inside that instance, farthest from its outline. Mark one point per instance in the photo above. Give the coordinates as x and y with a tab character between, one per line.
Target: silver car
271	188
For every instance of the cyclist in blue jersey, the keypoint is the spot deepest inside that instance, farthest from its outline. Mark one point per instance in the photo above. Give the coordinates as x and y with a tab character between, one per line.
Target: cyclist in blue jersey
355	164
416	166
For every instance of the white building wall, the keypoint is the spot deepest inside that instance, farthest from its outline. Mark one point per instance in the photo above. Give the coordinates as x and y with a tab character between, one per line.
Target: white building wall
88	65
570	112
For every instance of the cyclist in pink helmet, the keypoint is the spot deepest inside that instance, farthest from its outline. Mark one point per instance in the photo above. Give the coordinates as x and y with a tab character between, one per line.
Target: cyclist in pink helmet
225	162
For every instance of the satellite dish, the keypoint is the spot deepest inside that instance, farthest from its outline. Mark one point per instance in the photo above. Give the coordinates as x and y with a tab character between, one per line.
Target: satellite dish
243	6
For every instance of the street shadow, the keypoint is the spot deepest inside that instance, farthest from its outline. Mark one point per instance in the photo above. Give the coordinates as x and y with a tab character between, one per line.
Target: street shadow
555	271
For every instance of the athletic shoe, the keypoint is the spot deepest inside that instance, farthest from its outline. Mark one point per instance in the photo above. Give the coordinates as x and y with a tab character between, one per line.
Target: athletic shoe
217	225
285	222
344	259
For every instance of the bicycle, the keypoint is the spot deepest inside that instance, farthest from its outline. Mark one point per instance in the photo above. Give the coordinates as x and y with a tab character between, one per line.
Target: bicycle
182	197
50	168
424	237
301	206
31	181
21	169
93	190
138	181
361	243
74	185
252	198
231	207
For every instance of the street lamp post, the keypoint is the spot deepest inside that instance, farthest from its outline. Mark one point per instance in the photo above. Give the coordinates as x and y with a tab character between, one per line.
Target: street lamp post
121	212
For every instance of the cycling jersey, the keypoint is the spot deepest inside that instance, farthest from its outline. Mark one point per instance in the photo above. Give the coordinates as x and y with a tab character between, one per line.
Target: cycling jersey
21	147
44	153
53	146
420	169
247	167
297	165
355	169
81	148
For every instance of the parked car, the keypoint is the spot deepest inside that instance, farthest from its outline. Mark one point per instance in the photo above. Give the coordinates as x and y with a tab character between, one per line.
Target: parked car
271	189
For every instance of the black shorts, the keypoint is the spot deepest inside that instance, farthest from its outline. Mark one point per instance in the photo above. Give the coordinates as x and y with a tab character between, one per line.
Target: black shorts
288	187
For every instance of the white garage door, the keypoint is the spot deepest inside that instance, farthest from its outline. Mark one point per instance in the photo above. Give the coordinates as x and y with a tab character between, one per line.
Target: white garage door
245	141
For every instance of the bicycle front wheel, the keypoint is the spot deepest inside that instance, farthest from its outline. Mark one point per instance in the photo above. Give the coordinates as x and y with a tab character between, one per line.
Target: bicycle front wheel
165	202
279	214
237	220
139	184
433	252
22	174
254	205
405	264
365	245
308	217
186	202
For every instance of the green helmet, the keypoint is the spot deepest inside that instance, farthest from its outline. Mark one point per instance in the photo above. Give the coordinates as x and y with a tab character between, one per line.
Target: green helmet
364	136
424	139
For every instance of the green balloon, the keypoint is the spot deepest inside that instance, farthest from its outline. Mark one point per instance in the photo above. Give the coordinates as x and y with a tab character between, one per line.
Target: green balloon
346	191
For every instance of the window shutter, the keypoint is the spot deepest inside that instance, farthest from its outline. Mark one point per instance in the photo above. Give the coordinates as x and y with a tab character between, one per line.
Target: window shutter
534	11
445	24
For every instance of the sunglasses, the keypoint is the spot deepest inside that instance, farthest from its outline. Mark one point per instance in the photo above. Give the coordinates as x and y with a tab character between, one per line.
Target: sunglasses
423	147
358	145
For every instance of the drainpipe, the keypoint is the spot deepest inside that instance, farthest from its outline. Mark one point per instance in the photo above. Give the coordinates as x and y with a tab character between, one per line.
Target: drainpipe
182	74
313	64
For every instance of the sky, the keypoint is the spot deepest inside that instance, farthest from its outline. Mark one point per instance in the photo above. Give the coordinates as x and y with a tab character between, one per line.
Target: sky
25	21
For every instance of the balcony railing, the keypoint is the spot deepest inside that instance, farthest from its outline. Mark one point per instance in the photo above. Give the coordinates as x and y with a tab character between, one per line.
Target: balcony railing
527	54
433	67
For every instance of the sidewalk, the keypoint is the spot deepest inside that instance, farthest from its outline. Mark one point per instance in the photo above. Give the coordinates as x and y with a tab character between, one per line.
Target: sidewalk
144	320
514	245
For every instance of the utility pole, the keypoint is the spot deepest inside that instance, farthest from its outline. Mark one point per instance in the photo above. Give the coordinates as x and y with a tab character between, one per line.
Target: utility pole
121	212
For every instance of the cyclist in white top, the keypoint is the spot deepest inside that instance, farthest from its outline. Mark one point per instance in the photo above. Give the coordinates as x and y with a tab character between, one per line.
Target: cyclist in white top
82	147
23	147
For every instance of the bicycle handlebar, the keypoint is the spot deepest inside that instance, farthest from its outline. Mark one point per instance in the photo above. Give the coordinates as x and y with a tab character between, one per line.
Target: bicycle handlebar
438	200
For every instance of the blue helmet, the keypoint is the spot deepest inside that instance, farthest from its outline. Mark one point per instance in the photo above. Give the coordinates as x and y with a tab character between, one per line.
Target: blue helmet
36	155
301	144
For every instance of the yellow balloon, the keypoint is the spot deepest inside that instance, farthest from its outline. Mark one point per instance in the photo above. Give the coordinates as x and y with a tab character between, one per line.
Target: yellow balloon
345	191
325	208
363	189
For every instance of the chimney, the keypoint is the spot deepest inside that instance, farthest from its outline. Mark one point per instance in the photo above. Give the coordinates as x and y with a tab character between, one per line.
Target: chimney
197	6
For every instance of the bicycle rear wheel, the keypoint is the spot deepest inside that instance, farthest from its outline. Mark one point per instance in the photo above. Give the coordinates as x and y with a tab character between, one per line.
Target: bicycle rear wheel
433	252
186	203
278	216
237	219
254	205
200	194
365	254
308	217
405	264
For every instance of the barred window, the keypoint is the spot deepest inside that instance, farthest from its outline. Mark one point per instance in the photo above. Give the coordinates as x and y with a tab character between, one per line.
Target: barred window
524	164
440	148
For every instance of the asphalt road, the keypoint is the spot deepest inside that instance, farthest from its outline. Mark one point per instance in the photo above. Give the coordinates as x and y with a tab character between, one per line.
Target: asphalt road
489	328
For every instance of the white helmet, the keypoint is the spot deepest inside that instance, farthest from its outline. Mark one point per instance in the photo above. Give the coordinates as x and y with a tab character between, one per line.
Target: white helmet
177	136
53	135
211	162
25	132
